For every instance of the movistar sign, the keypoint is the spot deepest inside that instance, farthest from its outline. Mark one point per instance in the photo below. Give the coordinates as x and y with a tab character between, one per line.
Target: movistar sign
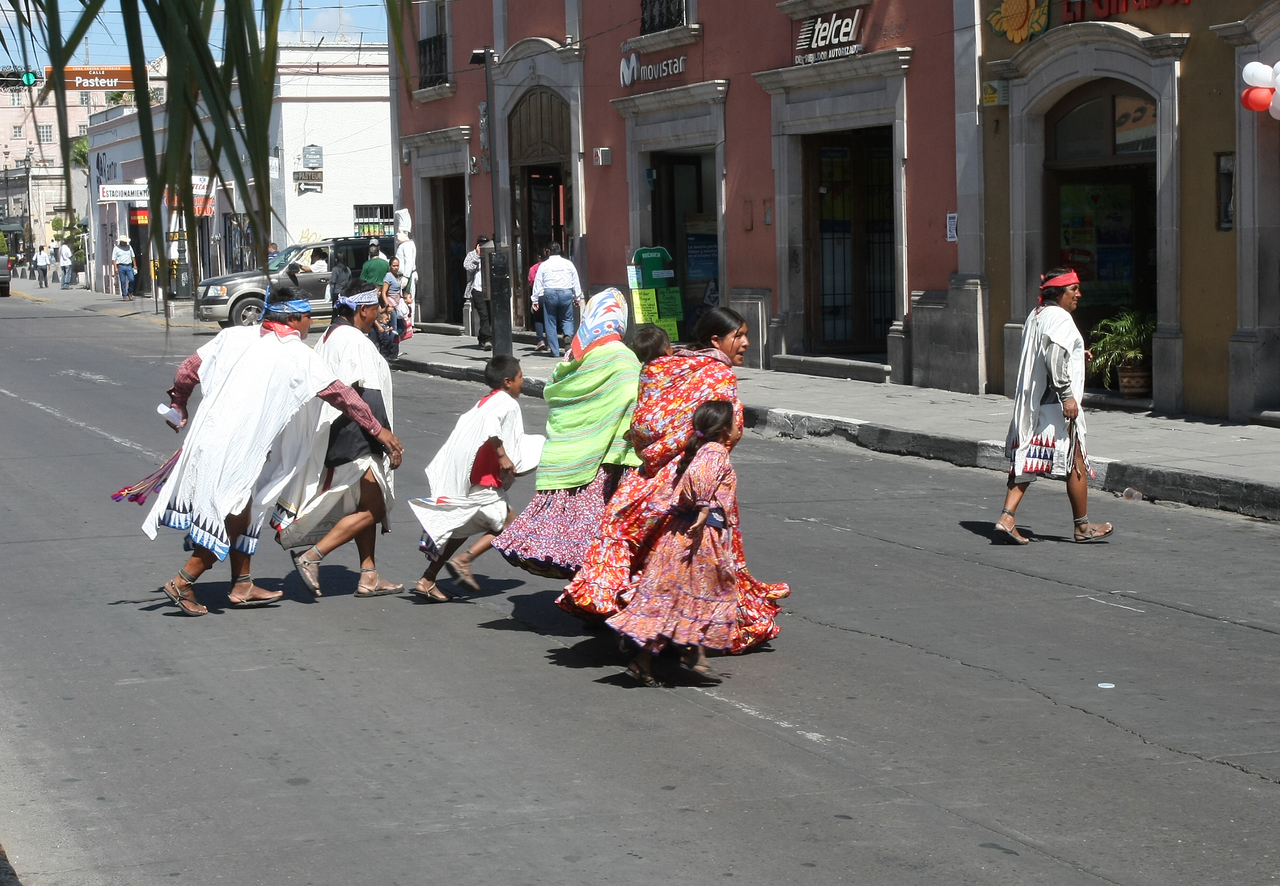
632	70
822	37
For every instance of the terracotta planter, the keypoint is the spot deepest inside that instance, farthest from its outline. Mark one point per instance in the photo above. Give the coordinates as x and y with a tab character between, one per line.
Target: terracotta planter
1135	381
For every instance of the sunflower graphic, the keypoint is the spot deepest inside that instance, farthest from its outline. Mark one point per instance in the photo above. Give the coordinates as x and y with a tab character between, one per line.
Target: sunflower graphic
1019	20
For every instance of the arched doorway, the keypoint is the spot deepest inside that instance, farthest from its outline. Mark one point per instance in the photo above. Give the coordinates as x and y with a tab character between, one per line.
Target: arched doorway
1100	192
541	186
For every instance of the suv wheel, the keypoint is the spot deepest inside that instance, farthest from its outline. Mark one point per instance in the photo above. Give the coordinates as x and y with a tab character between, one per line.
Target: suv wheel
247	311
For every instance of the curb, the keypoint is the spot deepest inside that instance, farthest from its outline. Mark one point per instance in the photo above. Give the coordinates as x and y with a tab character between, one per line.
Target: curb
1156	484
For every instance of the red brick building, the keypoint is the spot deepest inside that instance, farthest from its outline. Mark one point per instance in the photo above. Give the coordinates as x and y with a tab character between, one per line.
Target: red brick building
799	160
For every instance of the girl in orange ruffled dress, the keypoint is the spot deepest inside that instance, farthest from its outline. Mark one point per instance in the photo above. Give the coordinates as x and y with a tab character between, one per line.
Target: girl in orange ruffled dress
688	594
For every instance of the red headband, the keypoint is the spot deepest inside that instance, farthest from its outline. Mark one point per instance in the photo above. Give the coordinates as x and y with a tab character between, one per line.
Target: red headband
1068	279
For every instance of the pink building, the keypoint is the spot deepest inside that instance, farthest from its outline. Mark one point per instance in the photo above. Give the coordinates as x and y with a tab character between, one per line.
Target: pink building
797	160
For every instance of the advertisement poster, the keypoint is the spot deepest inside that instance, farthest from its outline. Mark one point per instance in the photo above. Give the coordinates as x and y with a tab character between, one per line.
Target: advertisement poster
1096	223
702	256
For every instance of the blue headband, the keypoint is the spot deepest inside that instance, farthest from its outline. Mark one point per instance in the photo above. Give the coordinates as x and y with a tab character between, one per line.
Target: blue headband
360	299
297	306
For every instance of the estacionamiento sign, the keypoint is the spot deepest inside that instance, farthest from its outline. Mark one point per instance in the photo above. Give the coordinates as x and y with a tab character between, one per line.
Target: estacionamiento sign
822	38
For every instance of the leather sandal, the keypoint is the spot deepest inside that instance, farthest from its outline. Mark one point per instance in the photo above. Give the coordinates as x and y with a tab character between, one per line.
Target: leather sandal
308	569
1010	535
251	602
184	598
460	572
429	591
379	588
1088	533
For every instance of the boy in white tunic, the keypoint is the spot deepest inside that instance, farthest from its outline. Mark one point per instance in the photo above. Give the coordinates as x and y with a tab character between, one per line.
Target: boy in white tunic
345	490
469	478
1047	433
242	449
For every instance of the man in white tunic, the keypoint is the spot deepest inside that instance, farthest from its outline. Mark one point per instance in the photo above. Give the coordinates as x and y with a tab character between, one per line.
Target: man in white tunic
345	490
242	451
1047	433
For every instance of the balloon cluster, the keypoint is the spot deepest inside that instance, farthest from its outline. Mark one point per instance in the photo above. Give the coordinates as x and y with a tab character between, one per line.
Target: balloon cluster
1260	94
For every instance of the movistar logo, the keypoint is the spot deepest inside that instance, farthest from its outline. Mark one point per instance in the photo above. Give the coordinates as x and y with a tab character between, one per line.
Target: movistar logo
630	69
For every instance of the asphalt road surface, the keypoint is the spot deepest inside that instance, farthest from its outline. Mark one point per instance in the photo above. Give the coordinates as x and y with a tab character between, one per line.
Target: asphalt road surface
932	713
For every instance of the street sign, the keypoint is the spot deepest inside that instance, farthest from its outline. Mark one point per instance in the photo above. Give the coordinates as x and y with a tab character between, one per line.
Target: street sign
107	193
308	175
85	77
312	157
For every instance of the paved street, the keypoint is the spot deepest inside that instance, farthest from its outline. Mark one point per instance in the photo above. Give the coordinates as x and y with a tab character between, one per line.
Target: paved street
930	714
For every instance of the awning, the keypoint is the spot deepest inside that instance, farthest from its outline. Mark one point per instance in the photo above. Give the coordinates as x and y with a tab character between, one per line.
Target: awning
12	227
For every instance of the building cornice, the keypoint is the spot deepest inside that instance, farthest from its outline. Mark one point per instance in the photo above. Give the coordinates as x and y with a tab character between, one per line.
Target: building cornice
668	39
708	92
435	93
853	67
452	135
802	9
1110	35
530	47
1253	29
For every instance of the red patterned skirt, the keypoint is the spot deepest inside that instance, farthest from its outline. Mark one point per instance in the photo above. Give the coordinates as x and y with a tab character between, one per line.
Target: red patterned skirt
551	536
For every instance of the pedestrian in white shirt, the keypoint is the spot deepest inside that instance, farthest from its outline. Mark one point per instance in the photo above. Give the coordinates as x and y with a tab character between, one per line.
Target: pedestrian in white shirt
556	287
42	266
480	303
122	258
65	258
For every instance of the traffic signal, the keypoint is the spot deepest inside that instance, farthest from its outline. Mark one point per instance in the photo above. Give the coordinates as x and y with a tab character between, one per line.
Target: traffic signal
28	78
10	79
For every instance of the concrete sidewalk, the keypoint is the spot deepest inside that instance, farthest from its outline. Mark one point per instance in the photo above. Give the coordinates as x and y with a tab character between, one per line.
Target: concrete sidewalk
1201	462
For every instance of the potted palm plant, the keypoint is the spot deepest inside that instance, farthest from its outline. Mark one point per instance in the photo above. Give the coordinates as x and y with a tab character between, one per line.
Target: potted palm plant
1123	344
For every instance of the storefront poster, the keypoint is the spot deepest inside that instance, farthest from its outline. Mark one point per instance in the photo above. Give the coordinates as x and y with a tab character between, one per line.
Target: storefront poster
670	304
702	257
672	328
656	267
645	302
1096	224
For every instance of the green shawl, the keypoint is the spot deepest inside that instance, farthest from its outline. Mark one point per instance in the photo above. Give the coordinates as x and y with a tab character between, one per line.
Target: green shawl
590	402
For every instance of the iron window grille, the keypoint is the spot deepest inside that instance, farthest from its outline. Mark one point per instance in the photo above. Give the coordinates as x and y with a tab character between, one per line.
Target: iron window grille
661	15
433	62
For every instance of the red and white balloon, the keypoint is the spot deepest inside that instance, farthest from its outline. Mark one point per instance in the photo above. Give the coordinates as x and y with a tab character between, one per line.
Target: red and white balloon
1260	92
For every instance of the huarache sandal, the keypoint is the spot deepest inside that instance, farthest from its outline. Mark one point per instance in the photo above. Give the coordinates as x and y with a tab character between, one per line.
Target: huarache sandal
430	592
1088	533
702	672
642	675
184	598
379	588
252	602
460	572
308	569
1009	534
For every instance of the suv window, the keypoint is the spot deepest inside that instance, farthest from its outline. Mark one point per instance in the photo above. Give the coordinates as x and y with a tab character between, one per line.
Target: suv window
286	255
358	250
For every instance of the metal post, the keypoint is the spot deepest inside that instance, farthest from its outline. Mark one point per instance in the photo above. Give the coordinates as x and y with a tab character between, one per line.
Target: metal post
498	268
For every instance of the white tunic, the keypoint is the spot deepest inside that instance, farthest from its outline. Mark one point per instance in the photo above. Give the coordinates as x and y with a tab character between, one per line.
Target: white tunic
319	497
238	447
1041	440
455	503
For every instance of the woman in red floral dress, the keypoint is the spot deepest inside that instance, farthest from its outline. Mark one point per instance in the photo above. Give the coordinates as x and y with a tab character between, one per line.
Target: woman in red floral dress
671	388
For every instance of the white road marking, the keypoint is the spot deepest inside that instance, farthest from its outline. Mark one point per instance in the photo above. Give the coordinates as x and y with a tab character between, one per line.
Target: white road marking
1109	603
128	444
89	376
816	737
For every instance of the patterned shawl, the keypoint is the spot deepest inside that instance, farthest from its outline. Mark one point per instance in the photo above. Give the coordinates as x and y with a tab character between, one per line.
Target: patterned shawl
671	389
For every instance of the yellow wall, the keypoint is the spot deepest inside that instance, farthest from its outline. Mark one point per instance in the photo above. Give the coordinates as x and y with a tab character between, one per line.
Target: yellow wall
1207	107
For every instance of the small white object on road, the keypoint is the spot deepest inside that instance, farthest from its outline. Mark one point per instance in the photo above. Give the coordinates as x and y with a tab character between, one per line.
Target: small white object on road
170	413
1106	686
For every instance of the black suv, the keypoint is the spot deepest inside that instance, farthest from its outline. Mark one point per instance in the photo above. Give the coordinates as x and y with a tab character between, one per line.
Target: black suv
237	299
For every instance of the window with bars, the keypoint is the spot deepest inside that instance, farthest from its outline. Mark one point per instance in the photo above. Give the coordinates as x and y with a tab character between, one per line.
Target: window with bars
84	128
433	55
86	99
44	133
661	15
17	132
375	220
15	99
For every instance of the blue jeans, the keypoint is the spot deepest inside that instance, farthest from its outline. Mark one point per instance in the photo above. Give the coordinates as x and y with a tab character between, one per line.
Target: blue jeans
66	277
557	312
126	280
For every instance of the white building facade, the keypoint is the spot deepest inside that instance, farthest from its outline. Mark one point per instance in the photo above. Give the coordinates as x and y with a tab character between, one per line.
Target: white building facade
331	170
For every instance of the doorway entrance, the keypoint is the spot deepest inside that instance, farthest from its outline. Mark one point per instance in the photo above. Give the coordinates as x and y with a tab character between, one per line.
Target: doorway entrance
685	223
849	224
1100	197
541	189
448	245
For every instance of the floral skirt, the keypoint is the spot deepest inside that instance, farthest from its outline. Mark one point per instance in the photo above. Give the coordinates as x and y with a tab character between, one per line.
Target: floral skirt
551	536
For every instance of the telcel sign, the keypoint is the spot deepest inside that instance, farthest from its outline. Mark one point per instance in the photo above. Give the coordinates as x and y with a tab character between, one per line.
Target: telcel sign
822	38
632	71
